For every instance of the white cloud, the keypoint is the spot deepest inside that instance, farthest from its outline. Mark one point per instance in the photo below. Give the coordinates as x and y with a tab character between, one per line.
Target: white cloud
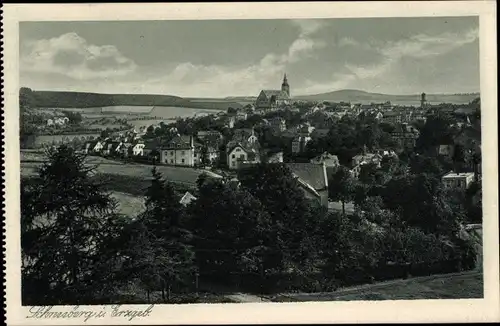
187	78
70	55
417	46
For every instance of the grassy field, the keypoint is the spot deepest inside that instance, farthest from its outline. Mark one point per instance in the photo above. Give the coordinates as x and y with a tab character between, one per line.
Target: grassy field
448	286
128	205
182	175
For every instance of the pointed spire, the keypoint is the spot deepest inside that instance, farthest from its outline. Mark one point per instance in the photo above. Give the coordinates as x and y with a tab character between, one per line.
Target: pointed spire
285	81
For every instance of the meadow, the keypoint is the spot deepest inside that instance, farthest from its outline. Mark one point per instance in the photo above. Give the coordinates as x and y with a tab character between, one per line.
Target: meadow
48	139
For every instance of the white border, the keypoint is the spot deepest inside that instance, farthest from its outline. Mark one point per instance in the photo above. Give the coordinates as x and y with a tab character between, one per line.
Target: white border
434	311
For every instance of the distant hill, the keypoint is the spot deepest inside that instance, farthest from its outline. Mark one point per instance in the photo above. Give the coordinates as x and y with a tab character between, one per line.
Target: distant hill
59	99
357	96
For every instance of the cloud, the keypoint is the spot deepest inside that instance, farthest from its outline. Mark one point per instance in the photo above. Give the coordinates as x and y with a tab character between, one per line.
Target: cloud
420	46
188	78
71	55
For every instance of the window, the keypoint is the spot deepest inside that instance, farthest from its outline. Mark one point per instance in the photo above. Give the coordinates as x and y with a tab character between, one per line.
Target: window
233	163
238	150
182	161
233	156
171	161
242	156
172	153
195	155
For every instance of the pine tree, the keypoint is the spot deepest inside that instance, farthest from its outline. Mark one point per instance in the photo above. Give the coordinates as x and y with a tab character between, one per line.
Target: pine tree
164	220
65	217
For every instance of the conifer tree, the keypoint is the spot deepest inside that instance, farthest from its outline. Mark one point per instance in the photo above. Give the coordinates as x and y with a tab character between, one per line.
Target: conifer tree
164	221
65	217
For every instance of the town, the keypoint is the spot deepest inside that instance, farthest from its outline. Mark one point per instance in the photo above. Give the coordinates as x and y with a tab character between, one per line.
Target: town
322	175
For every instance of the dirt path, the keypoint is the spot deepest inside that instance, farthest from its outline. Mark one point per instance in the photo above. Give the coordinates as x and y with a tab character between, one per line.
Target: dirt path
245	298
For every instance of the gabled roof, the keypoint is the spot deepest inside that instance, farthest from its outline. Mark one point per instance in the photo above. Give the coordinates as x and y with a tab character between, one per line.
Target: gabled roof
179	142
312	174
246	146
279	94
187	198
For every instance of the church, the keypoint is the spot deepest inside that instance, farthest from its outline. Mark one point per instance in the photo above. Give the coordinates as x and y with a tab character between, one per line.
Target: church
272	99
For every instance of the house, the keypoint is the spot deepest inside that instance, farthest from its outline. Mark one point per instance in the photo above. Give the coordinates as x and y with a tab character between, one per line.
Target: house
446	150
228	121
313	180
187	199
392	117
211	154
329	160
125	149
110	148
202	134
178	151
241	115
299	144
305	130
93	146
272	99
406	135
278	124
245	135
138	149
240	154
459	181
272	156
367	158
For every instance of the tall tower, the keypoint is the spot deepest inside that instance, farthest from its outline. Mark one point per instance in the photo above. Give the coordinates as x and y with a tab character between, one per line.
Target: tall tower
285	87
423	101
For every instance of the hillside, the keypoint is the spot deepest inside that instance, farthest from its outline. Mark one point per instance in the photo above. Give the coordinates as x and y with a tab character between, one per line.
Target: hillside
59	99
357	96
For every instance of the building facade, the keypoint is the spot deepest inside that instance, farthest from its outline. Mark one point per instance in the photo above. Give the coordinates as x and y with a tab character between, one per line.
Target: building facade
179	151
272	99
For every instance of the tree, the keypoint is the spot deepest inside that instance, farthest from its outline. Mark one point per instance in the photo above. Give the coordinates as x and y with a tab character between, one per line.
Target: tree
420	201
65	218
294	221
341	186
163	219
425	164
232	231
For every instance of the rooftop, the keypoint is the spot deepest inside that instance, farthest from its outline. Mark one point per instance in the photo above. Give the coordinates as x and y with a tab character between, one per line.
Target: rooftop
312	174
452	175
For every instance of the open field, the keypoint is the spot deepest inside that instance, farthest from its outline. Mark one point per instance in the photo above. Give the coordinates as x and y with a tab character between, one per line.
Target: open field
127	204
181	175
448	286
45	139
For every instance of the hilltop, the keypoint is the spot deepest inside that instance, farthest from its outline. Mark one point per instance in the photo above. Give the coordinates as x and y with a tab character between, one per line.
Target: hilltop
358	96
62	99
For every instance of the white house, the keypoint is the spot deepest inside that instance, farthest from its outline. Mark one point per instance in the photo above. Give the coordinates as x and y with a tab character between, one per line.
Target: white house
453	180
138	149
240	154
179	151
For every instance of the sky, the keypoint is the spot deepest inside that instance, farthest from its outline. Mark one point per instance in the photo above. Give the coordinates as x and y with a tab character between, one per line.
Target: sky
219	58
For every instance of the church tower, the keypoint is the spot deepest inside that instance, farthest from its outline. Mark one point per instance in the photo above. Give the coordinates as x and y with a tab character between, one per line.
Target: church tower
285	87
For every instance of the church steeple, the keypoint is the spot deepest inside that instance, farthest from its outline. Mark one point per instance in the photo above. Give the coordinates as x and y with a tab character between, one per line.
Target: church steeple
285	87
